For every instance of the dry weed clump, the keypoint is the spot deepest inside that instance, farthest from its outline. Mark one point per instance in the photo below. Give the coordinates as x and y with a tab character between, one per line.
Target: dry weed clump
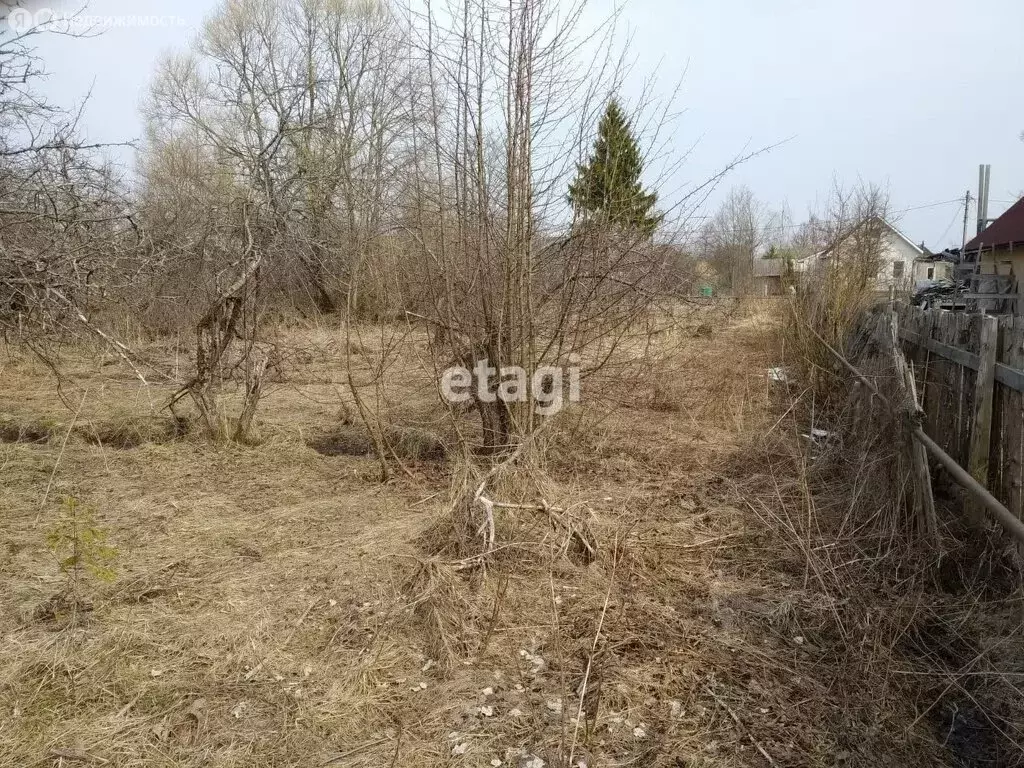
407	443
863	435
437	600
414	444
930	654
833	483
829	306
503	515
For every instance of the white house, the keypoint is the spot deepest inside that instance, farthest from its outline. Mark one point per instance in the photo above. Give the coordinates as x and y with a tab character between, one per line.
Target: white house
899	258
899	264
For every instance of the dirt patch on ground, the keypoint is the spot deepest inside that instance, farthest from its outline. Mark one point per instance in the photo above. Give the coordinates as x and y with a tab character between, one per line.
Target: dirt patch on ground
406	442
21	430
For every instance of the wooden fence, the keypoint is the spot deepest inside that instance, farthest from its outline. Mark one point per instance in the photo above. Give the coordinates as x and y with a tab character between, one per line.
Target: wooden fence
969	371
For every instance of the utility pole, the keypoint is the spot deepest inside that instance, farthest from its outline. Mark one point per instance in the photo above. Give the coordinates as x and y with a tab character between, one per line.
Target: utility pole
958	267
967	206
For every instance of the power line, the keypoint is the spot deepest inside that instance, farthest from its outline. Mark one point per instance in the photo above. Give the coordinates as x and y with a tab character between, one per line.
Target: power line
956	216
930	205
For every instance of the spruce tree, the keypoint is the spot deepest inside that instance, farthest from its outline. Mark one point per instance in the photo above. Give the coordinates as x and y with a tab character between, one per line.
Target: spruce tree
608	186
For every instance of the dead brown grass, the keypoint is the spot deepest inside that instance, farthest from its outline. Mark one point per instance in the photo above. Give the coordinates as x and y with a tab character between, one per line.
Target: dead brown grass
276	606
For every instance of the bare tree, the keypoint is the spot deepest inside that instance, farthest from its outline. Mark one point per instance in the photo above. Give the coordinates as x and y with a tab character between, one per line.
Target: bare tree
852	230
840	282
734	237
302	106
66	235
273	148
511	106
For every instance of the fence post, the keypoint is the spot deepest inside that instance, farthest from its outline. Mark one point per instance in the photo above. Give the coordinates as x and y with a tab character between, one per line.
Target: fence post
924	500
981	434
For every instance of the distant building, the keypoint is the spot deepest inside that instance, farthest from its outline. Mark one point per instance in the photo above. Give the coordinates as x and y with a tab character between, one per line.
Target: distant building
769	276
932	266
998	252
899	259
1000	247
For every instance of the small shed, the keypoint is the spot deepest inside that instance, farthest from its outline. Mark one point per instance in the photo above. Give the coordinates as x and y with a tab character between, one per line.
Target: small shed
768	275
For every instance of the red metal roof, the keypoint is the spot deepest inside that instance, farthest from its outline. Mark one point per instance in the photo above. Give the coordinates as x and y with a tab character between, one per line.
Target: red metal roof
1007	229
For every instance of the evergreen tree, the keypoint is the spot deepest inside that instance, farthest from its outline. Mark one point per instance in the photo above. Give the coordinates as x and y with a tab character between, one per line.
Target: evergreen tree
608	185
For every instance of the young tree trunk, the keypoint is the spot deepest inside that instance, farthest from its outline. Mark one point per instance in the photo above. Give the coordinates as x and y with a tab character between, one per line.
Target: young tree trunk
495	423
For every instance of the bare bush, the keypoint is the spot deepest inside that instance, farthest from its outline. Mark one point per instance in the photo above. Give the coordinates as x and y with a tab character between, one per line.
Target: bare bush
839	283
67	240
508	281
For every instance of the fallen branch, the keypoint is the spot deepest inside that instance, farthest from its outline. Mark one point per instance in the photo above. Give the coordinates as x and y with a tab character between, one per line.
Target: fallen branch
60	455
123	351
487	527
555	514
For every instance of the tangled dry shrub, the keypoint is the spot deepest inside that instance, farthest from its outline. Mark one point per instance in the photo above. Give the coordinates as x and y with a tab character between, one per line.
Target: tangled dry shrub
438	602
894	632
870	440
833	311
505	514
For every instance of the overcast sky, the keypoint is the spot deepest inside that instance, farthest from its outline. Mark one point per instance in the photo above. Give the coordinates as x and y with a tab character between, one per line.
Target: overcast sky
906	93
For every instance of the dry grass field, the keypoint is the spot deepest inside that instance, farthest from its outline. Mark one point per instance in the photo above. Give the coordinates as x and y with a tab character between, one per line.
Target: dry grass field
276	605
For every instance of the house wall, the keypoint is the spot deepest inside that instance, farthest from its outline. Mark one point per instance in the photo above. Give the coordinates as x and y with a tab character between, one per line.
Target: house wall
896	250
1006	261
941	270
1002	261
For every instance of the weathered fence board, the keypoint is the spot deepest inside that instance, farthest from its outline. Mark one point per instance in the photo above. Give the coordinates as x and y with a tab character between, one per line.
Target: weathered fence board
1011	419
980	448
969	371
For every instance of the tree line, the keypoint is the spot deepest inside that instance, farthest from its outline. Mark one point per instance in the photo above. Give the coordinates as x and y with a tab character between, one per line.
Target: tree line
359	159
467	166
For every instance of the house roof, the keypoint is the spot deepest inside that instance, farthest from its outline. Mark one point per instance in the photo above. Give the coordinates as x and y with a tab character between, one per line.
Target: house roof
919	248
950	256
769	267
1006	230
825	253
